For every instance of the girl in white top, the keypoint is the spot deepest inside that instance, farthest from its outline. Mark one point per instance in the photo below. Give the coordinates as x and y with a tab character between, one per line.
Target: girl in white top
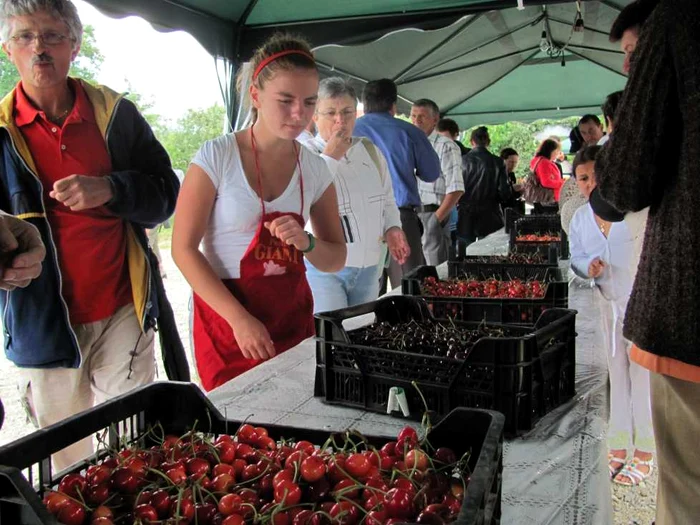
246	198
368	213
602	250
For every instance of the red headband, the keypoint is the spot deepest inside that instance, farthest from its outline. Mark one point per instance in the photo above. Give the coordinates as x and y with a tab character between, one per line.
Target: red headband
281	54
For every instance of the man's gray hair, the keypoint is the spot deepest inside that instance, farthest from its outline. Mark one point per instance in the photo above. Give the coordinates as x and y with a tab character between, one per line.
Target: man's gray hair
63	10
335	87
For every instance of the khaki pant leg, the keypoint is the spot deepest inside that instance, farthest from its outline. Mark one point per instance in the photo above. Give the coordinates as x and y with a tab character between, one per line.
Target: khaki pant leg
123	357
676	418
51	395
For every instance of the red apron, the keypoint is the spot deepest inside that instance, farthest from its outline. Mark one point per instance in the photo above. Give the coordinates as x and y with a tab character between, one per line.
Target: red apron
272	288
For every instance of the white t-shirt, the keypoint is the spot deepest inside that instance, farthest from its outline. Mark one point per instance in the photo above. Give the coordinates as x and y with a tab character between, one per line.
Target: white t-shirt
237	210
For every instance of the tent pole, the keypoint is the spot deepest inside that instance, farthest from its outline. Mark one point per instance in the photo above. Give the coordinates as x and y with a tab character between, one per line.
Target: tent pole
469	66
533	55
617	72
479	46
437	46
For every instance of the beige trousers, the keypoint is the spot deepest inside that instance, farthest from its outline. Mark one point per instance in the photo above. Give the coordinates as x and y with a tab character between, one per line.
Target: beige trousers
117	357
676	413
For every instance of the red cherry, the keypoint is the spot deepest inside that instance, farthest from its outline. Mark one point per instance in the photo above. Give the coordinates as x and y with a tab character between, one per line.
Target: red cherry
72	514
287	492
312	469
54	501
398	503
226	451
344	513
233	519
160	500
247	434
72	485
98	474
230	504
146	513
223	468
305	446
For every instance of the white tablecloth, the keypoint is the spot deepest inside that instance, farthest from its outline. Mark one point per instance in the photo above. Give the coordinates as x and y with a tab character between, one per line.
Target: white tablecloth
556	474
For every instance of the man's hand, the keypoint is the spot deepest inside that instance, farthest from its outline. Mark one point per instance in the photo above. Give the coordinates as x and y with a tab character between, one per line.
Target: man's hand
595	269
21	252
338	144
80	192
397	244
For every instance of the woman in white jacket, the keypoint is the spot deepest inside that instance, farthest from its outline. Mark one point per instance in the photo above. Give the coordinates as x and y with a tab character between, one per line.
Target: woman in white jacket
368	212
602	250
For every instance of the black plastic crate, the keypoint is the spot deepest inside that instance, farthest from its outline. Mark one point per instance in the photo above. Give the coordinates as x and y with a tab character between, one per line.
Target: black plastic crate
25	466
483	264
520	311
524	376
538	224
511	215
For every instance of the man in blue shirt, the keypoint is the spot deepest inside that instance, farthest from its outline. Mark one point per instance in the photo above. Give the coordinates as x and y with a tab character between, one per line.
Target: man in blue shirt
409	154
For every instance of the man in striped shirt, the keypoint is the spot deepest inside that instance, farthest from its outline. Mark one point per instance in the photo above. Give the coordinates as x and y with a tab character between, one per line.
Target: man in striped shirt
440	197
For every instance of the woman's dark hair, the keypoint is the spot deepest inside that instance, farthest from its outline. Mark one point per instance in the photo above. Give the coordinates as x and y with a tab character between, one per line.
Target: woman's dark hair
587	154
548	147
480	136
275	44
633	15
508	152
449	125
379	96
609	107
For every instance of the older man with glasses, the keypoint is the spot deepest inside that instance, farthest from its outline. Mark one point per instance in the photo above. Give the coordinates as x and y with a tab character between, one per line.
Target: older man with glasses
368	212
83	166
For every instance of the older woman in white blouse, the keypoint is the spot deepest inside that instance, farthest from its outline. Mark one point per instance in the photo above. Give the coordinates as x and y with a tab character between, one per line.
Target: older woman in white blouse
368	212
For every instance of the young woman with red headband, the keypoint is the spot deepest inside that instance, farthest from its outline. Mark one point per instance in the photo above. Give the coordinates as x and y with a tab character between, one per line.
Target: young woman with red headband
246	198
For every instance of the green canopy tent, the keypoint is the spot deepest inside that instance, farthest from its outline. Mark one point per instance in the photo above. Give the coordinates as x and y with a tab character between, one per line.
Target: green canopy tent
482	61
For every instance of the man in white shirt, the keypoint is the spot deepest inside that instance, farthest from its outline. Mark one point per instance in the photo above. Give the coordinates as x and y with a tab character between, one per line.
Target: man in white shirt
440	197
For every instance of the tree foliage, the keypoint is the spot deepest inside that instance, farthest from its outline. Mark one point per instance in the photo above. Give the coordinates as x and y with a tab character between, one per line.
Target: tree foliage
87	64
145	106
191	131
521	137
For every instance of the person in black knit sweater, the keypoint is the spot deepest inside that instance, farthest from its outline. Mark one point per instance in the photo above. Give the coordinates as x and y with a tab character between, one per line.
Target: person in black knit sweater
653	159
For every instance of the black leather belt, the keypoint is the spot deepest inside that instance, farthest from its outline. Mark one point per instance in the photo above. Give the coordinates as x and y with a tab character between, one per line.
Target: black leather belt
428	208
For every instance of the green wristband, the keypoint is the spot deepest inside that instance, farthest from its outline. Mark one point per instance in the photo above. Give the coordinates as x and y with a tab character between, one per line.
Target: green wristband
312	243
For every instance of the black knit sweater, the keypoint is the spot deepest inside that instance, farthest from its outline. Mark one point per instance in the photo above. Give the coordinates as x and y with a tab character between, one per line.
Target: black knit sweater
653	159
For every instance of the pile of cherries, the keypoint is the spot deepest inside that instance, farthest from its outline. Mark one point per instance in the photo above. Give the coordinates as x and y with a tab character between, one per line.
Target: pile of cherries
443	339
511	258
537	237
250	478
484	288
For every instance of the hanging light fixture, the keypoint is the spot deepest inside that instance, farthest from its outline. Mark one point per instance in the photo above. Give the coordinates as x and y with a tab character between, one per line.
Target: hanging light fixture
579	26
544	42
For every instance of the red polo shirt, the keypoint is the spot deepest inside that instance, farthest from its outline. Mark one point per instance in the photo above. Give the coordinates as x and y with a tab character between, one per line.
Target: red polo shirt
91	244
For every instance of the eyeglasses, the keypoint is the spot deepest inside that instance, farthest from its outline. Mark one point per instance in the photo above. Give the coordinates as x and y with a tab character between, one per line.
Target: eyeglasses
50	38
330	115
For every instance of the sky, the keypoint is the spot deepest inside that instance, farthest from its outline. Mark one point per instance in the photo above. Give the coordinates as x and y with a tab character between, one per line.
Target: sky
172	70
